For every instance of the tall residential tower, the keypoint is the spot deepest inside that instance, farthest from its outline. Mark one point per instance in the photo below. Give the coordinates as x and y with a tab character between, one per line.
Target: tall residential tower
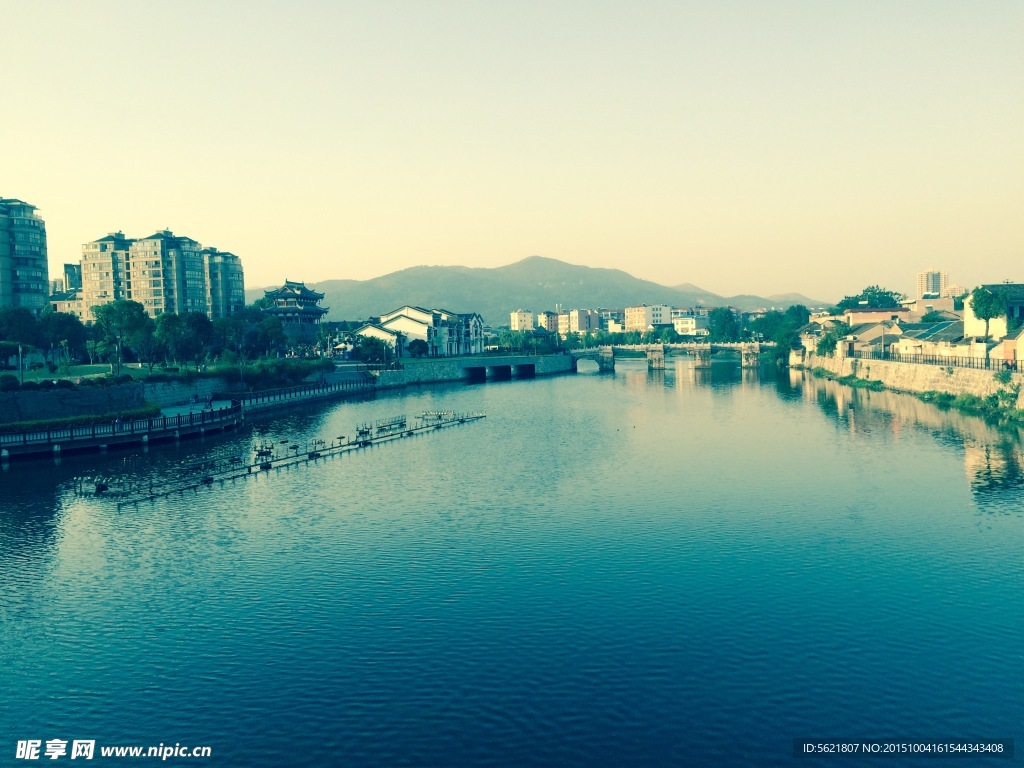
931	284
24	276
164	272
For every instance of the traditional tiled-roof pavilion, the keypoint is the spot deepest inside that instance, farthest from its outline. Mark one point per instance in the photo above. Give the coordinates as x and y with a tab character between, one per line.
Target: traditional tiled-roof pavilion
299	310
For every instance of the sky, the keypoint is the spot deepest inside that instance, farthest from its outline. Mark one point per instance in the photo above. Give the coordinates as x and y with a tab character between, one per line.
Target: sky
744	147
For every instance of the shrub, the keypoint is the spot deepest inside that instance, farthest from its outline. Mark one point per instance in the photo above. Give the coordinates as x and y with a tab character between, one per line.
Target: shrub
29	385
65	384
46	384
149	411
35	366
8	382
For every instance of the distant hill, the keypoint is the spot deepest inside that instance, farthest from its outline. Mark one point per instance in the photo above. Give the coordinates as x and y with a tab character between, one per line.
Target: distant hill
536	283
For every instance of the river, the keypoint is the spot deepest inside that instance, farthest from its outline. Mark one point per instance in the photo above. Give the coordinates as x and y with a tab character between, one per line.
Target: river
641	568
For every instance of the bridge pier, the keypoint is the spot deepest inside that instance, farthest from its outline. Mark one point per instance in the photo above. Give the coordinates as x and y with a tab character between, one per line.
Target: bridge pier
702	356
750	355
656	357
606	360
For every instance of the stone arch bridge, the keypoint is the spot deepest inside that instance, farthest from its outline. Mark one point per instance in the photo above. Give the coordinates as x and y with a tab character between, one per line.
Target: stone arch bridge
750	353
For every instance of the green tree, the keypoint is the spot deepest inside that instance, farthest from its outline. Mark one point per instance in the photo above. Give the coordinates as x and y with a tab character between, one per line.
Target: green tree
371	349
198	336
830	340
723	325
418	348
872	297
988	304
170	332
63	331
117	322
146	343
797	315
19	325
782	328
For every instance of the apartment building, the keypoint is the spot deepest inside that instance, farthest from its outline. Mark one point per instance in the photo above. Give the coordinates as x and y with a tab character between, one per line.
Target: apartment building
646	316
521	320
24	274
163	272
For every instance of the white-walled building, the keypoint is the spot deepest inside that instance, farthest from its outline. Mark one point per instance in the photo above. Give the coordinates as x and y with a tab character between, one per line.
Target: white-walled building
394	339
446	333
691	325
521	320
583	321
931	283
548	321
646	316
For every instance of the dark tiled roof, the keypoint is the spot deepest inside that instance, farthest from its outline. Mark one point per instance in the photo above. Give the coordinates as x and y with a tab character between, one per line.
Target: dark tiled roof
1014	291
935	332
292	288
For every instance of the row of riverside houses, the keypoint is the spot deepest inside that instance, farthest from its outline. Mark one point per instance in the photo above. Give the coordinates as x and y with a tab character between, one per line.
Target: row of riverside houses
956	337
446	334
642	318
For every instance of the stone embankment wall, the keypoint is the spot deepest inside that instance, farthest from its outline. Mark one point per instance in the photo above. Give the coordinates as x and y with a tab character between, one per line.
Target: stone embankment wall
916	377
440	370
67	403
165	393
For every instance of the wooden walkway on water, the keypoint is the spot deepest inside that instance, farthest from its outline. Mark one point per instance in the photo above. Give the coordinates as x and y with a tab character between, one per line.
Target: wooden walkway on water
268	456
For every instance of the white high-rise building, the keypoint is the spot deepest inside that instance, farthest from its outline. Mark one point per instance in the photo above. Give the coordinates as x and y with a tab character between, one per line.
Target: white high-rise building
931	284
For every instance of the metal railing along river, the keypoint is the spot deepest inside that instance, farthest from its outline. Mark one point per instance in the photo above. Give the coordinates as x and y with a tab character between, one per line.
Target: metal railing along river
981	363
304	392
122	431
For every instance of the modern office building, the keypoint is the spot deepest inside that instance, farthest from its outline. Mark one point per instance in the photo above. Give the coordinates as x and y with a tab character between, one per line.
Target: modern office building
24	275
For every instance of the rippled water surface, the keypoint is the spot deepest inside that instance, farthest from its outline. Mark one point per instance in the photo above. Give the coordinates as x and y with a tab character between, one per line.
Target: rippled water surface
678	568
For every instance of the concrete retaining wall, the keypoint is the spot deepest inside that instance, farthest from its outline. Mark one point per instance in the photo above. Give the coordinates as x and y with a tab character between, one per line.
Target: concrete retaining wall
66	403
441	370
165	393
918	378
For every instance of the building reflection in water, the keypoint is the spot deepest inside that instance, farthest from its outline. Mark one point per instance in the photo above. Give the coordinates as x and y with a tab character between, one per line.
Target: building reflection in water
993	456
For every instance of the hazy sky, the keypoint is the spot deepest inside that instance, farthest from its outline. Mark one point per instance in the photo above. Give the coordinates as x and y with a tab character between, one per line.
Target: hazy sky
746	147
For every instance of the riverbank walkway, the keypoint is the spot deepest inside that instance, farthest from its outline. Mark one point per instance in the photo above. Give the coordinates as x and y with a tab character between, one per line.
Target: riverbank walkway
225	411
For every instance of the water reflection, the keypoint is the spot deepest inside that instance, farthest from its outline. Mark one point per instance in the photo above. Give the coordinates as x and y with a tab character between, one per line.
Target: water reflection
993	456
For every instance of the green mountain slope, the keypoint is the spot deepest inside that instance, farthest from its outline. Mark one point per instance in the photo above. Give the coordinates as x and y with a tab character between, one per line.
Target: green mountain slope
536	283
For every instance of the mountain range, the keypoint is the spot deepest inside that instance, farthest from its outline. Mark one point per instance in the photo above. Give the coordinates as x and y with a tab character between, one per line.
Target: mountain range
536	283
